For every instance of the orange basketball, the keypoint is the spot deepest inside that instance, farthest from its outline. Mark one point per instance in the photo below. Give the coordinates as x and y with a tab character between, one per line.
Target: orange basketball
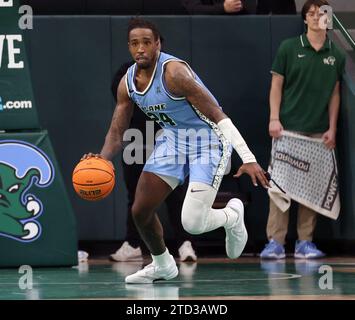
93	178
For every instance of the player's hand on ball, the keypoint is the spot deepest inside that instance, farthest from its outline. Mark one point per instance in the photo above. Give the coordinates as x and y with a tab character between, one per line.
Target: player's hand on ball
96	155
255	172
91	155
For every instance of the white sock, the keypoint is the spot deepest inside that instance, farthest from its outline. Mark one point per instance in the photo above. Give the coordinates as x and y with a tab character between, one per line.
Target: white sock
163	259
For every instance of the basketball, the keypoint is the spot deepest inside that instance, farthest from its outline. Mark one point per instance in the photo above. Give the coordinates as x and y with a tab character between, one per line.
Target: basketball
93	179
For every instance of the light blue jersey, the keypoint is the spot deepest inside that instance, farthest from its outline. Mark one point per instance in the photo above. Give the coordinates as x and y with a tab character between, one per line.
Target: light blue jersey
191	143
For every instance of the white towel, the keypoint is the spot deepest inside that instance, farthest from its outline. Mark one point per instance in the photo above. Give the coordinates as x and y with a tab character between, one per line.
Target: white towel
307	171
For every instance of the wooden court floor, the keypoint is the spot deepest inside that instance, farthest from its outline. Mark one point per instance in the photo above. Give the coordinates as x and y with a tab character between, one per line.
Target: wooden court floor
210	278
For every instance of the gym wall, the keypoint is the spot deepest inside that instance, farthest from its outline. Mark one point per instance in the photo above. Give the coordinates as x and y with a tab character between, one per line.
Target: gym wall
73	60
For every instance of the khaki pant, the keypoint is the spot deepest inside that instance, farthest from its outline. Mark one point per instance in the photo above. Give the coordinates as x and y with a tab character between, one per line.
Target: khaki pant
277	224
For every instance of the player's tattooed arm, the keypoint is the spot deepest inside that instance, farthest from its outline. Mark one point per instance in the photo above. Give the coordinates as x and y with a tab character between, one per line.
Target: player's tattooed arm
182	83
119	124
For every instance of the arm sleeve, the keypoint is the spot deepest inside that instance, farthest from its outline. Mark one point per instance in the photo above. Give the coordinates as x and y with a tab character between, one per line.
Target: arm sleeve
197	7
232	134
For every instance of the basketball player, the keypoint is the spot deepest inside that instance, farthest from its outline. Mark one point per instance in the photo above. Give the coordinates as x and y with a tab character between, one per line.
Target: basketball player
169	92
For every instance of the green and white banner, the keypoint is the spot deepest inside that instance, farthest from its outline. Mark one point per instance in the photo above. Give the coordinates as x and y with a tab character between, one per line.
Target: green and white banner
17	105
307	172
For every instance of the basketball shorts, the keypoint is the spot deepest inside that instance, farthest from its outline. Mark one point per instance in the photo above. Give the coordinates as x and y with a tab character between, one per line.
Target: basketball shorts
205	164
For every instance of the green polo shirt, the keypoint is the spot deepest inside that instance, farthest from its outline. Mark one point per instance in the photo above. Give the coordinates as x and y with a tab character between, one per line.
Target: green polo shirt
309	81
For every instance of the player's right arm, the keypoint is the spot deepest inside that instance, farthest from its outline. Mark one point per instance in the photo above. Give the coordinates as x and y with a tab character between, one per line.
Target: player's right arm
119	124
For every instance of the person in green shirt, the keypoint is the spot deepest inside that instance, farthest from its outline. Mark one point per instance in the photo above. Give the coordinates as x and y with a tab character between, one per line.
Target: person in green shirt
304	98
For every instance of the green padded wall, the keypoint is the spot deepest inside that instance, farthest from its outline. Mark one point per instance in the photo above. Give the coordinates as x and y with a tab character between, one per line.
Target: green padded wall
55	240
37	224
233	58
346	150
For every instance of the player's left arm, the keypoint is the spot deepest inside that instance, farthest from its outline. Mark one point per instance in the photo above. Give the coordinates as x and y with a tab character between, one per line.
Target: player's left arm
181	82
329	137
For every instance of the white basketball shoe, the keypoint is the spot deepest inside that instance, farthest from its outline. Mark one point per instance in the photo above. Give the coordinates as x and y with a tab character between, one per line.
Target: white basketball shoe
236	233
152	272
127	253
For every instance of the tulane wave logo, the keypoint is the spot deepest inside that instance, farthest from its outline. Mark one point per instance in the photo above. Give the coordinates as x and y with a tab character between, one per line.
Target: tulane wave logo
22	165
